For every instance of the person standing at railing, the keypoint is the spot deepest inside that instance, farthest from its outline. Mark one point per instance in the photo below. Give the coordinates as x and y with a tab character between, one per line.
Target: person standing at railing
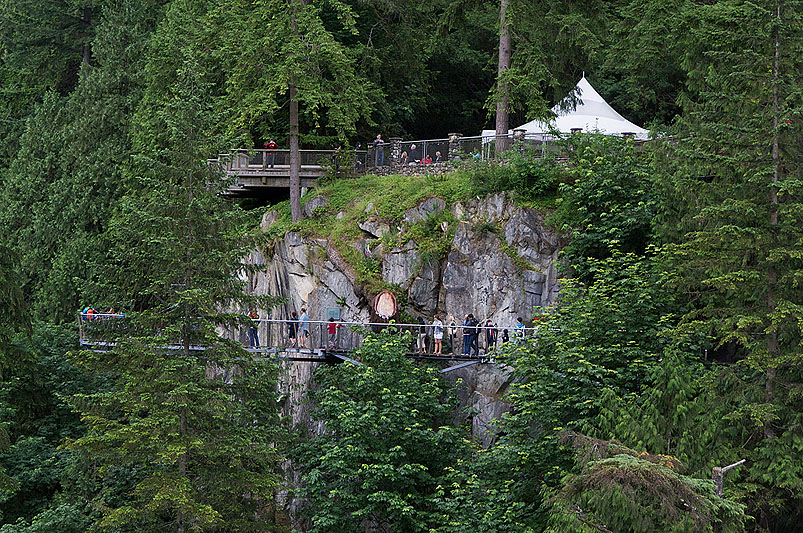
292	328
357	162
452	333
470	335
379	150
303	328
331	329
421	345
253	333
437	334
270	157
438	157
518	330
490	335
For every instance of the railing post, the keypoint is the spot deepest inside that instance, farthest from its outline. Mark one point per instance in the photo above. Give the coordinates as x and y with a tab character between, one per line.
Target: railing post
454	146
395	151
518	138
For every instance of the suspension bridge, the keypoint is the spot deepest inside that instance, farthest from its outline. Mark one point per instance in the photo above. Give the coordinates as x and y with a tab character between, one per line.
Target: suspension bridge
97	331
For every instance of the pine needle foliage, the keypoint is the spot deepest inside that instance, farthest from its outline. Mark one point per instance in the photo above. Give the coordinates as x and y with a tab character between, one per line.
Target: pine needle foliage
630	492
387	444
191	415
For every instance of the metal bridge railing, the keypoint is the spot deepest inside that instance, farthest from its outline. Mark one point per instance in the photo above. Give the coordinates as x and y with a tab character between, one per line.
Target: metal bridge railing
263	159
100	328
275	333
398	153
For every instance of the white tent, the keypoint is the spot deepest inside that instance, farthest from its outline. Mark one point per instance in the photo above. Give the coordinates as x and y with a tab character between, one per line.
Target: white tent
591	114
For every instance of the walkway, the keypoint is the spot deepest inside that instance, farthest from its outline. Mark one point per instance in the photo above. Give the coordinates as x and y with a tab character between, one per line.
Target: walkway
97	333
257	171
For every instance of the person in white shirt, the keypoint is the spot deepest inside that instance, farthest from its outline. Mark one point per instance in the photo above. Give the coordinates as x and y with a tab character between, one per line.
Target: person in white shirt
437	334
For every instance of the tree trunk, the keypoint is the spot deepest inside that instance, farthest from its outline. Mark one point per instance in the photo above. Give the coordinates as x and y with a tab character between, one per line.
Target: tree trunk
773	349
295	157
182	466
86	51
503	92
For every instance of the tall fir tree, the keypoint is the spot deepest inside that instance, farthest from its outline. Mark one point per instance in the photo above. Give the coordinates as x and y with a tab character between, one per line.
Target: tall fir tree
738	168
191	414
282	53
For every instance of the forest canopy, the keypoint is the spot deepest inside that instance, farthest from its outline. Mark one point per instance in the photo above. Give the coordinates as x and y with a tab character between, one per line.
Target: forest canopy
683	266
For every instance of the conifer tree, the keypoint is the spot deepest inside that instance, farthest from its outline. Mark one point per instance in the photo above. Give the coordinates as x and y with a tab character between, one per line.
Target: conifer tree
191	414
739	170
282	53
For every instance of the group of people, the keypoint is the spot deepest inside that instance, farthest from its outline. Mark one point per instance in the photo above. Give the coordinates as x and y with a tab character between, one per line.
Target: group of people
90	313
405	158
471	330
298	333
297	329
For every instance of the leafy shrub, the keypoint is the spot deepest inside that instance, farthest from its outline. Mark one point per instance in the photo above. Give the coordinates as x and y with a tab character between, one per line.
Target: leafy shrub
525	173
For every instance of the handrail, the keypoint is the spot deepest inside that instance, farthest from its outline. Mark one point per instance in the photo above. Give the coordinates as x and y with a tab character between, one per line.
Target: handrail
348	335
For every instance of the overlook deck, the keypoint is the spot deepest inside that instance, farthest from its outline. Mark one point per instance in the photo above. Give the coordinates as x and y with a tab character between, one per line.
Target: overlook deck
264	170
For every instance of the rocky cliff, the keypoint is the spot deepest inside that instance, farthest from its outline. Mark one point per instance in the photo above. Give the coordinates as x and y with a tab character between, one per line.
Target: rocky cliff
500	264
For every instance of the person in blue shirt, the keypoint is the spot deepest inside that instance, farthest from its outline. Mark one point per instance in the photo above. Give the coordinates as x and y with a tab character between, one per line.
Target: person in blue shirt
518	330
303	328
470	335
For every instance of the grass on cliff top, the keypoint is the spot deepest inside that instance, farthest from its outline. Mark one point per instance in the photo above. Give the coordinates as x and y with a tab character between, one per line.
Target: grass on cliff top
389	197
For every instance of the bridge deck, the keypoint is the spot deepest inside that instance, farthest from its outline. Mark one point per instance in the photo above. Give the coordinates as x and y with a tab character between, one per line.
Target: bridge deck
312	355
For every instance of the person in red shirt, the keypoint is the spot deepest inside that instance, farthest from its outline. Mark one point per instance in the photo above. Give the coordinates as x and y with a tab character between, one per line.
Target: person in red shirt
270	157
253	333
332	328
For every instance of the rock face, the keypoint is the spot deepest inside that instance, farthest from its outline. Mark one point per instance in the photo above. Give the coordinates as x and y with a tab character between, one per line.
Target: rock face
501	265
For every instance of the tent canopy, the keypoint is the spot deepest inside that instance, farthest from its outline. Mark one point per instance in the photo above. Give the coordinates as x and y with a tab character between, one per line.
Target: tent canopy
591	114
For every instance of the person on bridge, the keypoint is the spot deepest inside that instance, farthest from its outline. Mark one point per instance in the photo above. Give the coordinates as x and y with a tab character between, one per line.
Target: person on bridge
357	162
437	334
470	335
452	333
421	345
379	150
331	329
518	330
303	328
270	156
253	333
292	328
490	334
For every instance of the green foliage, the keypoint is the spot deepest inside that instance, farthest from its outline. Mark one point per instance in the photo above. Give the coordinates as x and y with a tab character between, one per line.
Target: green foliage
625	492
195	428
731	206
608	334
528	175
64	181
37	418
388	442
608	202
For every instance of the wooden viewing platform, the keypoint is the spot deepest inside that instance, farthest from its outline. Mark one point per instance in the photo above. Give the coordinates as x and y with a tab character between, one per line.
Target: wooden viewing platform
260	170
